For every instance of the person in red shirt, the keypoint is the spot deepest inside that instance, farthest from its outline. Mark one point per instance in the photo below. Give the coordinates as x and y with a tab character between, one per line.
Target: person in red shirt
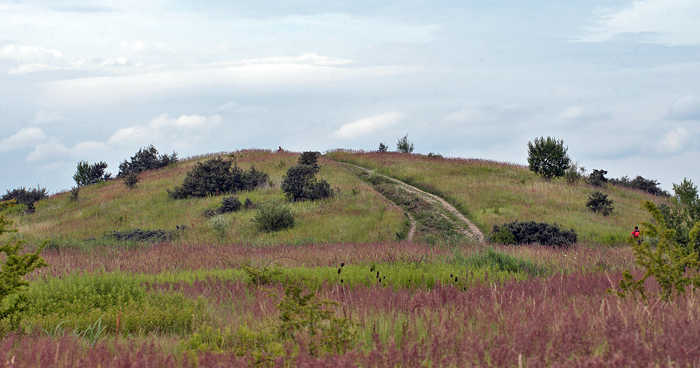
636	234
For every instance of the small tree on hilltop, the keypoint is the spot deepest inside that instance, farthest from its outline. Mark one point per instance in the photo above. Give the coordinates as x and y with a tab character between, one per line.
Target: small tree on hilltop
146	159
404	145
547	157
87	174
382	147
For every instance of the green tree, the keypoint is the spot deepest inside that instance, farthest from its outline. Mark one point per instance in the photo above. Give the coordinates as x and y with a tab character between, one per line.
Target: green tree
547	157
674	265
13	302
382	147
87	174
404	145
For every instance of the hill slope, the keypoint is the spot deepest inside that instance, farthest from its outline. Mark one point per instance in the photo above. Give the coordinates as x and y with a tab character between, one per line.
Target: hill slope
493	193
355	214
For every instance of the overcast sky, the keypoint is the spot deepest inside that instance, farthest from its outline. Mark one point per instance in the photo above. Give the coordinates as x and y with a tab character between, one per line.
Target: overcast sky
618	81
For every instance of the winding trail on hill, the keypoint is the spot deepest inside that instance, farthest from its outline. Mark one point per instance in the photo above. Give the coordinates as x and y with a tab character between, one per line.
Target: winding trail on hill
467	227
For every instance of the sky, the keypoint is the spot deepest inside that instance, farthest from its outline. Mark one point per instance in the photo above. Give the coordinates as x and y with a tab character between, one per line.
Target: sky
618	81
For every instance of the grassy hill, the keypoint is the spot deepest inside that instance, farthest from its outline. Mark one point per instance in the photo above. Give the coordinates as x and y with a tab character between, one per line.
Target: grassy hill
493	193
339	289
355	214
488	192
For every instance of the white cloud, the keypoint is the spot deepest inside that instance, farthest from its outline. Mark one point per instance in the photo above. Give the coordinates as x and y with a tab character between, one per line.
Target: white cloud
308	58
368	125
53	151
675	141
165	128
24	138
662	21
30	54
43	117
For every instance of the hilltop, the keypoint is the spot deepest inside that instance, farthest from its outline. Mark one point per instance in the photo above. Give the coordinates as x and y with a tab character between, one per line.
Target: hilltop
489	193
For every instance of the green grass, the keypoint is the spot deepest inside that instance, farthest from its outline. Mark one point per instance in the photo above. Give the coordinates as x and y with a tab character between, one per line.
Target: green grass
493	193
355	214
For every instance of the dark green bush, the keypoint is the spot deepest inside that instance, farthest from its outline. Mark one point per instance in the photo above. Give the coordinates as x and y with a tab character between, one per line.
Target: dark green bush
640	183
309	158
597	178
531	232
300	182
382	147
230	204
139	235
273	217
146	159
87	174
216	176
599	202
26	197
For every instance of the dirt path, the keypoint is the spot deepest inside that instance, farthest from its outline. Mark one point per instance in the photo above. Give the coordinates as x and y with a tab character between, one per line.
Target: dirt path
463	224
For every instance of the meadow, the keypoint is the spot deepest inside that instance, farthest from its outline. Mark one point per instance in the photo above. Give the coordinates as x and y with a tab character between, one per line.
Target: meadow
340	288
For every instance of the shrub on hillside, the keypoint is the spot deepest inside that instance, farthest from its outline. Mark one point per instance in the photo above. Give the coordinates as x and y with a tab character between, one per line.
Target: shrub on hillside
26	197
87	174
131	179
273	217
547	157
531	232
146	159
230	204
300	182
599	202
404	145
597	178
382	147
640	183
216	176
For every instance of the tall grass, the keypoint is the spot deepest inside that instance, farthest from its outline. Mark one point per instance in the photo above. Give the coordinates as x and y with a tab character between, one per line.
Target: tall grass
493	193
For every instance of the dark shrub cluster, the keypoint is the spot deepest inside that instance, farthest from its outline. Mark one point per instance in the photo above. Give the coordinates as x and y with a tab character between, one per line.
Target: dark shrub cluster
138	235
87	174
599	202
647	185
216	176
273	217
300	182
597	178
230	204
531	232
146	159
26	197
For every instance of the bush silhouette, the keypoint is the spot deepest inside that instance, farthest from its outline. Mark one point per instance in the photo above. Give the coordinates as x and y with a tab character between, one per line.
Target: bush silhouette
146	159
531	232
599	202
